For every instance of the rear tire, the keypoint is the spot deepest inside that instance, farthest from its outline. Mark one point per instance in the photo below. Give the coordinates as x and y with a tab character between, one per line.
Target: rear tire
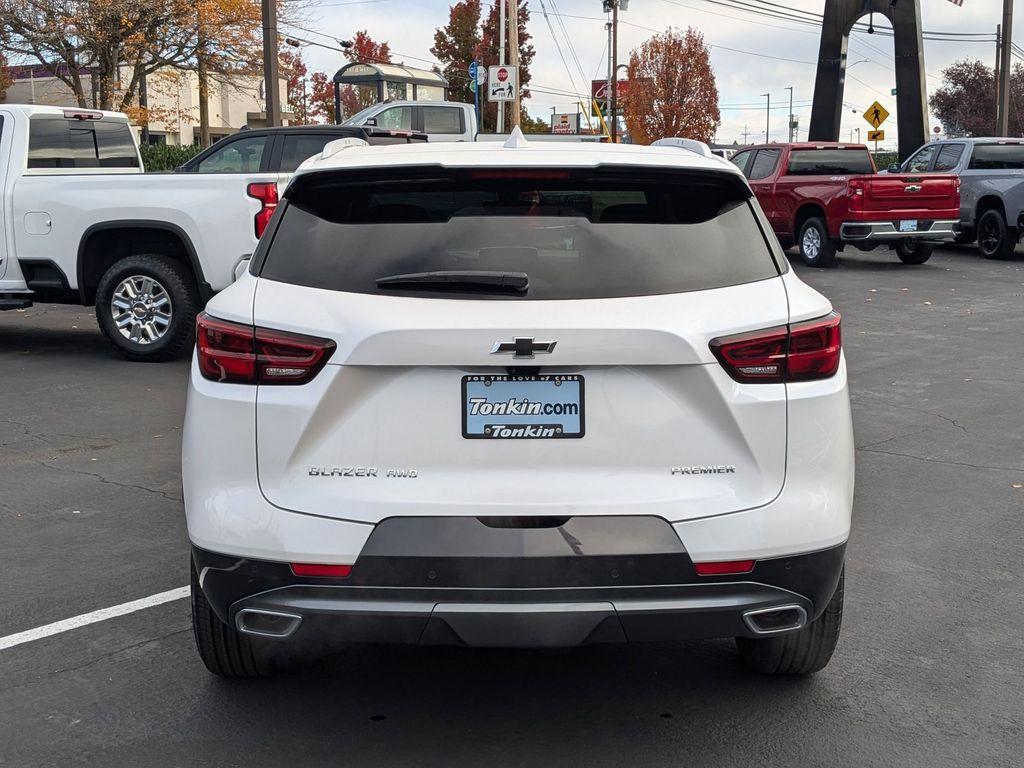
914	251
816	248
995	239
225	651
798	653
163	293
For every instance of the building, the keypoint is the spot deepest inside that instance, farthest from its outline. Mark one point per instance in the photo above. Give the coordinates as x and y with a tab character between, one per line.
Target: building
173	100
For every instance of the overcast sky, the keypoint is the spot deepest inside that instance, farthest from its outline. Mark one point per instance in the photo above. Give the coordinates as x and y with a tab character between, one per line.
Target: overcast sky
786	50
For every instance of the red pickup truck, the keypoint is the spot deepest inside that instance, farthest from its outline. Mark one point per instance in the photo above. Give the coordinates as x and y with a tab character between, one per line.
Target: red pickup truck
823	196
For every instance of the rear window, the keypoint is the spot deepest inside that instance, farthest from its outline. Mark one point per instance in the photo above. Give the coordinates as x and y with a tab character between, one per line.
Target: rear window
575	235
998	157
829	162
55	142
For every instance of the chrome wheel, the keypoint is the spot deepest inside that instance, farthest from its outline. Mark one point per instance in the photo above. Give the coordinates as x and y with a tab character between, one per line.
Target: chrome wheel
810	244
141	308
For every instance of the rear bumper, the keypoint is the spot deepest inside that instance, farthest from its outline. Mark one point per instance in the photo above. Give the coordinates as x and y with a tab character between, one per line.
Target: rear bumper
520	602
882	231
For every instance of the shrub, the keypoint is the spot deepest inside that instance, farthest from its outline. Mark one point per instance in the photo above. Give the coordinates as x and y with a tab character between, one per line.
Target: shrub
166	157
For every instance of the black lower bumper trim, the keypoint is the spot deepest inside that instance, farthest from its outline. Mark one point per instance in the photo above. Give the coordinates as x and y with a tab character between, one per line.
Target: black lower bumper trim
598	599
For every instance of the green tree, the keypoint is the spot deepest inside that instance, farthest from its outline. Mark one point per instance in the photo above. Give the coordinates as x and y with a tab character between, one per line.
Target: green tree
455	46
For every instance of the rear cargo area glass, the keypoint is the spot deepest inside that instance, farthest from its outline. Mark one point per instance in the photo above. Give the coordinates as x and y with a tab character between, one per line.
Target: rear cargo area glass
577	235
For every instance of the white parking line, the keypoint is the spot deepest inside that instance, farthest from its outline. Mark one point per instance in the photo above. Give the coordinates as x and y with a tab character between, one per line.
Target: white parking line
91	618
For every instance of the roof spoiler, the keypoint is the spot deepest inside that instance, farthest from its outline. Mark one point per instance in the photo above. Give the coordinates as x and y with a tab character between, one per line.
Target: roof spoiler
332	148
697	147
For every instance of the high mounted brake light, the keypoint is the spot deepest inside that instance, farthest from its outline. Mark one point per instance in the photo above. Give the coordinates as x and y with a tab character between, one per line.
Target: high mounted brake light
241	354
266	193
82	114
804	351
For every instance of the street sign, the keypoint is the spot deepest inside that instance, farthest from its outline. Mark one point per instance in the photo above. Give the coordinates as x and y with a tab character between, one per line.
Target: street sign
876	114
472	70
565	123
472	85
876	135
503	82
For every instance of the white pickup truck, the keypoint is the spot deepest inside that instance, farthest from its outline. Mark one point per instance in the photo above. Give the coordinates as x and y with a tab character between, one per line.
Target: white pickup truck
82	224
442	121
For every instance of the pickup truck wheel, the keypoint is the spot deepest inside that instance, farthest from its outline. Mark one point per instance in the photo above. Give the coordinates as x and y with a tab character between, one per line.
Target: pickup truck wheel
798	653
995	239
914	251
816	249
225	651
146	307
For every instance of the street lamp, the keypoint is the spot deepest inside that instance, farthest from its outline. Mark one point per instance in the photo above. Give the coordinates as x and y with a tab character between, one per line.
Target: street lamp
790	133
767	116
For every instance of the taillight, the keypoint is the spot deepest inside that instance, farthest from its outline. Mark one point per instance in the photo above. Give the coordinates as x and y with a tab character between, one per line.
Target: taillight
267	195
856	189
321	571
241	354
724	567
798	352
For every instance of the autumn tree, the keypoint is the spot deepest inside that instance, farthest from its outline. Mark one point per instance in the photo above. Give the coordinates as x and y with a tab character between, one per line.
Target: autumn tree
529	124
965	103
487	54
321	98
671	89
294	69
456	44
76	39
5	78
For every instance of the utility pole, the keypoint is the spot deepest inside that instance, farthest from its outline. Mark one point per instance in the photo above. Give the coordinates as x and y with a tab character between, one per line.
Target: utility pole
608	86
615	72
746	133
790	130
500	127
513	55
995	70
1003	127
270	79
767	117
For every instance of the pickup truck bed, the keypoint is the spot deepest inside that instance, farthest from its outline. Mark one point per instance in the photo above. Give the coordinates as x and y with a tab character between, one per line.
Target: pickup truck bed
823	196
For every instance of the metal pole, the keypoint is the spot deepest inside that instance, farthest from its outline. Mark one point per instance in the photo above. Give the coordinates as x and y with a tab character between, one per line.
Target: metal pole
608	85
790	131
513	55
1003	128
767	117
615	72
144	104
995	70
270	78
500	127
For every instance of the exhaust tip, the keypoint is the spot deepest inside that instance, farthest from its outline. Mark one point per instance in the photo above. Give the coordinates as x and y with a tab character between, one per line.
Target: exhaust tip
255	621
775	620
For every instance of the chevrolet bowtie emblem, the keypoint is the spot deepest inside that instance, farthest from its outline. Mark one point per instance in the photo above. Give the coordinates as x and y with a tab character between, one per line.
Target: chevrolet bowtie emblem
523	346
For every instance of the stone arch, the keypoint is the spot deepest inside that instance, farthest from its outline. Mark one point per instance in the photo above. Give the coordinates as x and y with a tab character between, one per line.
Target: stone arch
911	93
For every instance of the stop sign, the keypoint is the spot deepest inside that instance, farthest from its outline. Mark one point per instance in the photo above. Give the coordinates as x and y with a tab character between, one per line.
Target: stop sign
503	74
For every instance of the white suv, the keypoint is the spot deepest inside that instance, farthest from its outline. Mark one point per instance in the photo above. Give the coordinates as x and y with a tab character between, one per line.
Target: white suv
518	396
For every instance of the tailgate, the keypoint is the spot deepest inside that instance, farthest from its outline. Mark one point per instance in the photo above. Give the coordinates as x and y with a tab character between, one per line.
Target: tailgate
910	195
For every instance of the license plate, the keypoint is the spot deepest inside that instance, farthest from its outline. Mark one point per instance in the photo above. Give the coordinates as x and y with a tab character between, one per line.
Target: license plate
908	225
522	407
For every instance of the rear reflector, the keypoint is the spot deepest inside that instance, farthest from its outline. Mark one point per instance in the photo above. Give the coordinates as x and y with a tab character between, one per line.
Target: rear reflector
724	567
798	352
240	354
325	571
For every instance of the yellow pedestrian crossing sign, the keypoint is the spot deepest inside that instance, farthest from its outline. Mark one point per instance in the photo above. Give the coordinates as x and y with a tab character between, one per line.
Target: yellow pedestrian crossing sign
876	135
876	114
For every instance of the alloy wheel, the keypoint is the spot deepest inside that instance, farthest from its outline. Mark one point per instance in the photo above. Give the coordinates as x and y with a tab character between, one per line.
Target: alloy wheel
142	309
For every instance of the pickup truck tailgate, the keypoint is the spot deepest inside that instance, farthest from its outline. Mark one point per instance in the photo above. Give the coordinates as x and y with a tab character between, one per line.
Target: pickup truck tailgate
931	196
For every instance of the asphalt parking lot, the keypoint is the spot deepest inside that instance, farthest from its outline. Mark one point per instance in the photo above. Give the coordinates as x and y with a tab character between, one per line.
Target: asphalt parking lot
928	671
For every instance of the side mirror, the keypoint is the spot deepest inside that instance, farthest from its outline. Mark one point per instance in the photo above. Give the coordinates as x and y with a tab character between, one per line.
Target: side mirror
894	168
370	121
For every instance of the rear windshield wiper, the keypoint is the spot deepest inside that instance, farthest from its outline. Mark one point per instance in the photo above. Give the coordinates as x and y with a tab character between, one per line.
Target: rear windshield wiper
474	280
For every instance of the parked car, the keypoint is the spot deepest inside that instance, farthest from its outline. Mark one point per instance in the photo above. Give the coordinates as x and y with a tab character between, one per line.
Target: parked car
991	173
520	395
443	121
823	196
283	149
84	225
